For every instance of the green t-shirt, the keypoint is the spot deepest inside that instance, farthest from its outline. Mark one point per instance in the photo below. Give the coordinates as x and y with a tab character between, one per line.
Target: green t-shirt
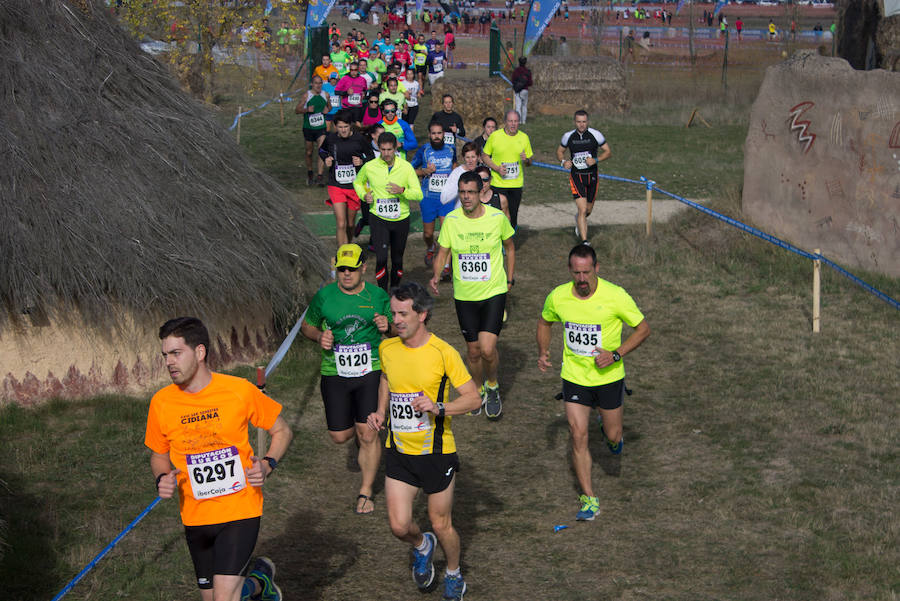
588	323
398	97
351	318
476	246
341	62
315	121
378	67
506	150
283	34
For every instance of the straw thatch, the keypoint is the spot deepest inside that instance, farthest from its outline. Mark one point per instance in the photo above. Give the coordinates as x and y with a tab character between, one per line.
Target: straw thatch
564	84
124	200
118	189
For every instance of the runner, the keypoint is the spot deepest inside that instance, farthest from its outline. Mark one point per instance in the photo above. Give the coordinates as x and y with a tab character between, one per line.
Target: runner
393	93
583	142
339	58
344	152
414	90
390	119
313	109
449	194
476	235
417	368
393	184
197	432
352	88
435	61
333	100
505	152
489	196
420	55
488	126
433	163
347	318
326	68
592	311
450	120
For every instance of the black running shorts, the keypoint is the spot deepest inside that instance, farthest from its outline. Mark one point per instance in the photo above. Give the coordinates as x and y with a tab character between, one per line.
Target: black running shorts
312	135
349	400
605	396
223	549
480	316
584	185
432	473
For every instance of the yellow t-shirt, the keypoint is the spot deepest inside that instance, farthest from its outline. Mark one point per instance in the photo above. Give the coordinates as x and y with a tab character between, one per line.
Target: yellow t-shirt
506	150
429	369
205	435
588	323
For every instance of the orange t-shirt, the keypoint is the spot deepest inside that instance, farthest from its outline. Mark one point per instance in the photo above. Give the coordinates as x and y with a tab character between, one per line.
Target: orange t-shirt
205	434
325	72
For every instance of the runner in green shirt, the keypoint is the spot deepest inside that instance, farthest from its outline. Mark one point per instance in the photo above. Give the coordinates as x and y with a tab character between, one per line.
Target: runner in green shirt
340	59
347	319
592	311
476	235
313	108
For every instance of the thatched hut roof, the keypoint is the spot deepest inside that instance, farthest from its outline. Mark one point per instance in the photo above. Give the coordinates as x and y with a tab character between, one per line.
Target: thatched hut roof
118	192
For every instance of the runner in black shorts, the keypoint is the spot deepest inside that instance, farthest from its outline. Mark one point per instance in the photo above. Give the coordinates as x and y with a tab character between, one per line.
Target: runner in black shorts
605	396
584	143
480	316
347	319
221	548
431	473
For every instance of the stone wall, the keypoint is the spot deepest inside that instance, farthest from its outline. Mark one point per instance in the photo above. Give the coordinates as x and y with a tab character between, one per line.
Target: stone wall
822	160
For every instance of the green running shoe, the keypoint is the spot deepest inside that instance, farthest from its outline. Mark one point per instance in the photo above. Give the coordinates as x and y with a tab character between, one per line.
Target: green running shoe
589	508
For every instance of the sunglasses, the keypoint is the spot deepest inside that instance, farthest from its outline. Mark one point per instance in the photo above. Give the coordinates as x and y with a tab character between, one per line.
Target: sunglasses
373	102
344	268
389	111
485	179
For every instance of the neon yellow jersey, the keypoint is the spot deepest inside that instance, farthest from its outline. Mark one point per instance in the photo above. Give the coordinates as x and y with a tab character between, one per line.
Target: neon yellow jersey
421	54
387	206
476	246
506	150
589	323
429	369
398	97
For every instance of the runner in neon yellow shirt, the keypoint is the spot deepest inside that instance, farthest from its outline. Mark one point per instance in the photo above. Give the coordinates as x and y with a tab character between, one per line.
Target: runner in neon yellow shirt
505	153
592	311
476	236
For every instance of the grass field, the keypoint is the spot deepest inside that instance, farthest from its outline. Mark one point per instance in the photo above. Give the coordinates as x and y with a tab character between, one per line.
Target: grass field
761	460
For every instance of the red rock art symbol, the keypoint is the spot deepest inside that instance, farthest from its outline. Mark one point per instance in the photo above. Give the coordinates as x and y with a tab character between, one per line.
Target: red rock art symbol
894	140
802	127
766	134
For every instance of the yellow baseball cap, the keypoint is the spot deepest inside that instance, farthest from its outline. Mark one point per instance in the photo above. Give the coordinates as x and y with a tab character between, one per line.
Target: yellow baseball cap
349	255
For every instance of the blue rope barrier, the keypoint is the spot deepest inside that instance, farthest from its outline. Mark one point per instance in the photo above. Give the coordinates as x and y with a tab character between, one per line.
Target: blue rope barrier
287	98
108	548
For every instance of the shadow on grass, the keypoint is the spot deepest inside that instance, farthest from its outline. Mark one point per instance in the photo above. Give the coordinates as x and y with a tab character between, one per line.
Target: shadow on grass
29	556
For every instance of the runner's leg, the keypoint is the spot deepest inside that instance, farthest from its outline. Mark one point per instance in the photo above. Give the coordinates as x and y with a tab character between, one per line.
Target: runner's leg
583	212
379	239
398	237
579	417
612	423
399	497
369	457
490	358
340	220
440	508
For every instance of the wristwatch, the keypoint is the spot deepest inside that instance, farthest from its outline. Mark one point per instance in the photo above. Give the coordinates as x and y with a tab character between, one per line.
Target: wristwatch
440	407
616	356
272	462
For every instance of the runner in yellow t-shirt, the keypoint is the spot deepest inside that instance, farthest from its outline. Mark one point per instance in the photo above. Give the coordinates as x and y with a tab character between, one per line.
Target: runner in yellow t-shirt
417	369
592	311
506	151
197	432
476	235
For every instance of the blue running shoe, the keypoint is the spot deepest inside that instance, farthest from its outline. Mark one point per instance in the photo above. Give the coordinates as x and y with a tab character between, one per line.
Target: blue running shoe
454	588
615	448
264	571
589	508
423	569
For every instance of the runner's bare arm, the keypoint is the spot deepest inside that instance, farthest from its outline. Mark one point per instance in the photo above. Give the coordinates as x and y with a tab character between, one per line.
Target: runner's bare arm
510	248
605	153
324	338
438	265
281	435
641	332
376	419
543	342
161	466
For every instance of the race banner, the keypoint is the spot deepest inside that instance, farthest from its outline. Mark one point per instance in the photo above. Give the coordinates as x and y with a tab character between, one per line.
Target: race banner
539	16
678	8
317	11
891	8
719	5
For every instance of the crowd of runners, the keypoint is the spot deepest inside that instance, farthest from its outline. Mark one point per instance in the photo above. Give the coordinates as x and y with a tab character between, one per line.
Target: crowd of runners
382	368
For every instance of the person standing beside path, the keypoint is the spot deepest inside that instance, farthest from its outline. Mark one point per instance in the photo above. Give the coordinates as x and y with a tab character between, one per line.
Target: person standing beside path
506	151
344	153
417	371
587	147
197	435
347	319
592	311
521	82
476	235
393	184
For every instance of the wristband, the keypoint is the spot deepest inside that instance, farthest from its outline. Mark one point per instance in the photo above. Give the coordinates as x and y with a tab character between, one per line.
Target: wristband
511	282
562	163
440	408
616	356
272	462
158	478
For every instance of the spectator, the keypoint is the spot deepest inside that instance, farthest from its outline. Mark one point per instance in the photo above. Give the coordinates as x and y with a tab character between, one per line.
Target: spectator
521	81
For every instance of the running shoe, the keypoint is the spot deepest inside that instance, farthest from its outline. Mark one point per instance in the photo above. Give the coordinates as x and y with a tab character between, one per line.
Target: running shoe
577	235
357	230
454	588
478	411
264	571
429	257
614	447
423	569
492	404
589	508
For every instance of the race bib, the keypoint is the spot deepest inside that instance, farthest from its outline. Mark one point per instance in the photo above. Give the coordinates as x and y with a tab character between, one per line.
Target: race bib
512	170
579	159
353	360
388	208
413	99
583	339
215	473
474	267
345	174
437	67
354	99
335	101
316	120
403	417
420	59
339	66
436	182
449	138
